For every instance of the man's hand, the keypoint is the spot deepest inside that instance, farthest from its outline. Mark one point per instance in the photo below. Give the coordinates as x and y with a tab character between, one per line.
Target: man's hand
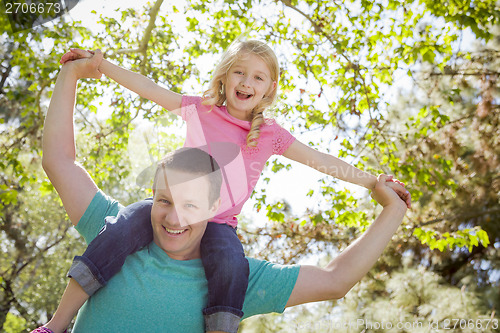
384	193
83	64
400	190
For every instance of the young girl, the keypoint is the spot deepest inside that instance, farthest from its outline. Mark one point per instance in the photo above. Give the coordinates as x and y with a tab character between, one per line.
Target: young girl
230	114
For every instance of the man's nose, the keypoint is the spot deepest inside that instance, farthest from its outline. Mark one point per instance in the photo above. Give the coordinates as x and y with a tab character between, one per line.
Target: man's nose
173	217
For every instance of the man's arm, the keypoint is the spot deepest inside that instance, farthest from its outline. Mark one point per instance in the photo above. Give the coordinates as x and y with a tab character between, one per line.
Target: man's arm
342	273
135	82
72	182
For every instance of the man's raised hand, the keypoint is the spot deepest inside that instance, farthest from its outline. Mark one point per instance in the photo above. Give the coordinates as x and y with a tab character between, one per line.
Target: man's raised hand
384	194
400	189
75	54
84	64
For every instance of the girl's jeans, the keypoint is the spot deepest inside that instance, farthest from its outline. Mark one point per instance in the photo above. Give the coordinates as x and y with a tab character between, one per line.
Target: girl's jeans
226	267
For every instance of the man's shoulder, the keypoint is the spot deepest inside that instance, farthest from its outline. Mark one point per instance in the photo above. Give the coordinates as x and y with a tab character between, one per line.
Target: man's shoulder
269	286
260	266
92	220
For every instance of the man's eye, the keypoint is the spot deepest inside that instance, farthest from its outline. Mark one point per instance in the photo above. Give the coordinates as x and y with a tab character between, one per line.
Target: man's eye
165	201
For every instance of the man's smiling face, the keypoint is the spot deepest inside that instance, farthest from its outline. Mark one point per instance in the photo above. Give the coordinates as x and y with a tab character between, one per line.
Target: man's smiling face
180	213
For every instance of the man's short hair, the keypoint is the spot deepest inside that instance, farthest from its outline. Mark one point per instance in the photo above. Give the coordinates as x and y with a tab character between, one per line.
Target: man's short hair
194	162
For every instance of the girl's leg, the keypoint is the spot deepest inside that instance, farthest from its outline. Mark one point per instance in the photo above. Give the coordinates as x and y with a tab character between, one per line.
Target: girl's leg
73	298
121	236
128	232
227	270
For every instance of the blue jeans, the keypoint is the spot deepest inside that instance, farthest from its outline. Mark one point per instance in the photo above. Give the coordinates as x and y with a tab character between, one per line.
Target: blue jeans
226	267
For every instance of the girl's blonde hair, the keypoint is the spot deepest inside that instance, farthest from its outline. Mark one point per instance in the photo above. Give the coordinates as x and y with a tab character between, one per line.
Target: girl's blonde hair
216	94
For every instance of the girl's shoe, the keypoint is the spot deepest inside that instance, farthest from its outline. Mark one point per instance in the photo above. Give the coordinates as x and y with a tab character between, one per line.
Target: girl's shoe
44	330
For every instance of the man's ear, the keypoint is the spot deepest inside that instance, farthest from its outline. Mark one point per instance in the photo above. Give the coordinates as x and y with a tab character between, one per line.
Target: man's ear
215	207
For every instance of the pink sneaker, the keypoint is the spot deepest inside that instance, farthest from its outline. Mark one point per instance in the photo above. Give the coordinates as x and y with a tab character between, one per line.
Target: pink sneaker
44	330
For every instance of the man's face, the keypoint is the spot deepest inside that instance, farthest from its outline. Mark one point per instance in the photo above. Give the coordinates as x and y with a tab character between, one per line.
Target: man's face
180	213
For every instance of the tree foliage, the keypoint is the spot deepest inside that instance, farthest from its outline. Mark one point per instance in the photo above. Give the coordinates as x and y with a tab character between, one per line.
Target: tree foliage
341	63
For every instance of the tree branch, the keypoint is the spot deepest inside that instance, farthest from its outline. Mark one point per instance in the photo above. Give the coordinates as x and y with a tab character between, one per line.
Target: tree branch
456	217
464	73
317	28
5	75
143	44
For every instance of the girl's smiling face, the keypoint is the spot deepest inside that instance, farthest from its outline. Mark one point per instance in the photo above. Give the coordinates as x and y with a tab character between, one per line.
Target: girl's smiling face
247	82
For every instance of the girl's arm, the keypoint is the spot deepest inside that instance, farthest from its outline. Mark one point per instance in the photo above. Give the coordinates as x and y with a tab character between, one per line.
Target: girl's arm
337	168
137	83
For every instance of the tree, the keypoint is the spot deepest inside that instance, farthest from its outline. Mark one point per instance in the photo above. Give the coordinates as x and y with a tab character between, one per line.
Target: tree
25	245
37	243
442	136
338	61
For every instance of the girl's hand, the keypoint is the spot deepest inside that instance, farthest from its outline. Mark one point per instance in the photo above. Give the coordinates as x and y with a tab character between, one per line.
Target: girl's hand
383	192
81	65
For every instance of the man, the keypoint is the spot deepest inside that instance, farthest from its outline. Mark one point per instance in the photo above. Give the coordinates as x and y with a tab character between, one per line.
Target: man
163	287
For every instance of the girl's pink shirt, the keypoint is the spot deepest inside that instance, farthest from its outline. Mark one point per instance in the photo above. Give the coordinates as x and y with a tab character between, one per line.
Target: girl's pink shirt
224	137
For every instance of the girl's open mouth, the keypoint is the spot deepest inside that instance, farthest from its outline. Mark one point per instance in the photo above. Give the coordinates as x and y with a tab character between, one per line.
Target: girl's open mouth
241	95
